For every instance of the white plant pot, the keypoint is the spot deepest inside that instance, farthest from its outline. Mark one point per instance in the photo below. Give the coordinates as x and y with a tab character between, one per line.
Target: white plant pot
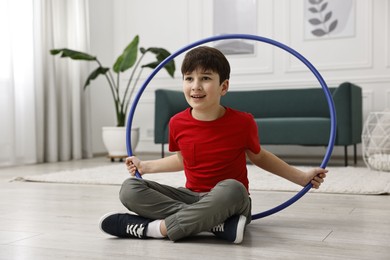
114	139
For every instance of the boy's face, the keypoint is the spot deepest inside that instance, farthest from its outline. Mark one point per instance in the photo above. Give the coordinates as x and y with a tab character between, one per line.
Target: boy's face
203	91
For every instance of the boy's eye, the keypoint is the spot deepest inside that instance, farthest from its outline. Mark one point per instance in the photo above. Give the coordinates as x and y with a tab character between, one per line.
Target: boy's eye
188	78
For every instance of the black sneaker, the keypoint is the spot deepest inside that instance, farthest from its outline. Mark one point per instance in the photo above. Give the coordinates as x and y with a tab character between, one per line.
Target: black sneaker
124	225
232	229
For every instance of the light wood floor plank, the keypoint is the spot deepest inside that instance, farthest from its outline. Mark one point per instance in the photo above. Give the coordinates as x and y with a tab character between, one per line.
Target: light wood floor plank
60	221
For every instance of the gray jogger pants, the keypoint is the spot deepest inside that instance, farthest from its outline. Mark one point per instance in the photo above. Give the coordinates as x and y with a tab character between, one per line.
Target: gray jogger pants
186	212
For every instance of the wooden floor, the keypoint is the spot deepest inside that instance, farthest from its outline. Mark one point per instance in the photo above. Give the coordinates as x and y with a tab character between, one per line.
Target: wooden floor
60	221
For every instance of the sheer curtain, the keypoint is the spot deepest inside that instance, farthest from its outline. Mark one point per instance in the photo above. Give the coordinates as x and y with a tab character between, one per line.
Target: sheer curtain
43	109
17	117
63	122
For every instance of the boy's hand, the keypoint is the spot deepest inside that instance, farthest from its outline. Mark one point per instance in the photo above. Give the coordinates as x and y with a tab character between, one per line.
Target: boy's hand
316	177
133	164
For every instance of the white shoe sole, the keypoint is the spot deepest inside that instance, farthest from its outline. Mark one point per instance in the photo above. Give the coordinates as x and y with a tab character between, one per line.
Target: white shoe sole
240	229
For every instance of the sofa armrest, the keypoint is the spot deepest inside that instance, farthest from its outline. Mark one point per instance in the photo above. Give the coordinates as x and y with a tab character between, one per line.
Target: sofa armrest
167	104
348	102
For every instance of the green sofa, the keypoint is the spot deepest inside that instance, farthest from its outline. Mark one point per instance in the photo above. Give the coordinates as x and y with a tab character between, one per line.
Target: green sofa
283	116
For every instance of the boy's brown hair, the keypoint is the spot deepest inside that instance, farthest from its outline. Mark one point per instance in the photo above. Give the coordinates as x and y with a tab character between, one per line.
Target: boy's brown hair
206	58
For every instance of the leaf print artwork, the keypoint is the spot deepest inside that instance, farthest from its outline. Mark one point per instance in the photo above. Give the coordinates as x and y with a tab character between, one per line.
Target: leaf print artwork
322	20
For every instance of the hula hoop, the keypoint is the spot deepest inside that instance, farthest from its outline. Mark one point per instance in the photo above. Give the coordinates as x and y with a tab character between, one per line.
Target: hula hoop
325	89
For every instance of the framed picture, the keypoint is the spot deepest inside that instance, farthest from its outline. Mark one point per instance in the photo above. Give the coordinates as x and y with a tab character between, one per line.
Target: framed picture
329	18
235	16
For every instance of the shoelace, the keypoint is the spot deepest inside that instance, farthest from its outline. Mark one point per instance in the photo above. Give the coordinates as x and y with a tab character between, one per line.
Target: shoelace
135	230
219	228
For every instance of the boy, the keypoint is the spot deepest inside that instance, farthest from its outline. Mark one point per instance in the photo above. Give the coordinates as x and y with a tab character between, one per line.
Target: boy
211	144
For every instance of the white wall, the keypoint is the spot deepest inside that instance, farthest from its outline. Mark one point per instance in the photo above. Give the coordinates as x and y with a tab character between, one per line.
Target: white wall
362	58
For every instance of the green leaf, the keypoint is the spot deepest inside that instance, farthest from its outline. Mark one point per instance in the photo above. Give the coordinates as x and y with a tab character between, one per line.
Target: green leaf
98	71
74	55
117	65
169	67
161	54
128	58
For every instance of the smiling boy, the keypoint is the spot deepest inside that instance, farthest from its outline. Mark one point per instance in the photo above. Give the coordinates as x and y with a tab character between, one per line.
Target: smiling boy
211	143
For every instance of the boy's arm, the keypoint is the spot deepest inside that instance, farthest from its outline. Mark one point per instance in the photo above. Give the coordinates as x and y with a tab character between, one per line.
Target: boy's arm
167	164
275	165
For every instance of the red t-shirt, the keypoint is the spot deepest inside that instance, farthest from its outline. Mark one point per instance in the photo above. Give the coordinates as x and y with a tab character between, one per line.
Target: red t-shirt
213	150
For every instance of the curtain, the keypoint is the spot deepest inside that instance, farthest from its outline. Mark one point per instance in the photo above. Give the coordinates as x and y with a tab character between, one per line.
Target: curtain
63	124
17	117
44	112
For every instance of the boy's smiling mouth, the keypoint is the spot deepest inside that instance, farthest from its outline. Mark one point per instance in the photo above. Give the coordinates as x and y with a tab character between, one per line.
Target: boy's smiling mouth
198	96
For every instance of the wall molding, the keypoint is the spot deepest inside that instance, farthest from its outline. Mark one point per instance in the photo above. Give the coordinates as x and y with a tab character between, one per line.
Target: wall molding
363	59
368	102
387	50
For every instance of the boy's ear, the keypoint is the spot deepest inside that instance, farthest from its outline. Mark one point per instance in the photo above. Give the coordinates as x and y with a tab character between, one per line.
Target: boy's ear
225	87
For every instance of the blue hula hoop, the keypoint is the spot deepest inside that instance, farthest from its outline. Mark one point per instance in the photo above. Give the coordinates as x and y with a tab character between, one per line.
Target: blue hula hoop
325	89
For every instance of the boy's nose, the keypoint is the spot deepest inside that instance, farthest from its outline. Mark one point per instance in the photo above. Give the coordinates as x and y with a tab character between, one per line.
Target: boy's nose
196	85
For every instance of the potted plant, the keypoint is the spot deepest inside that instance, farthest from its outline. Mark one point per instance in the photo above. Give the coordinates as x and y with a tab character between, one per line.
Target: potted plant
121	94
